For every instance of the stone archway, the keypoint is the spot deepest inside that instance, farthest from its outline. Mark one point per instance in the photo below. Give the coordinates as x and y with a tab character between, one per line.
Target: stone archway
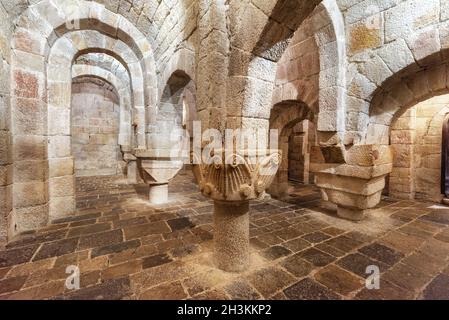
391	111
416	138
38	200
284	117
95	125
111	131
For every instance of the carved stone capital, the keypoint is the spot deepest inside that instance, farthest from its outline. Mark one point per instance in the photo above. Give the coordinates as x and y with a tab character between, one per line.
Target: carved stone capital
157	166
157	169
236	177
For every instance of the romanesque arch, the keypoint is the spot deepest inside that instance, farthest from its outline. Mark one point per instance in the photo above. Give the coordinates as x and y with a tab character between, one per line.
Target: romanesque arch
323	23
124	92
40	30
312	68
396	106
284	116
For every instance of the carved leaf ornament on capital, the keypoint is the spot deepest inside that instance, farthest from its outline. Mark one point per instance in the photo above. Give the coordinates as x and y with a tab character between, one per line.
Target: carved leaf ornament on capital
239	178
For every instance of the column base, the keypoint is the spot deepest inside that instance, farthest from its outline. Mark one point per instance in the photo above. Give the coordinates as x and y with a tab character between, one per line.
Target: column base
158	193
232	236
351	213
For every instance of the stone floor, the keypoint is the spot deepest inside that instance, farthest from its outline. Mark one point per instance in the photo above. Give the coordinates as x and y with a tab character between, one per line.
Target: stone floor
127	249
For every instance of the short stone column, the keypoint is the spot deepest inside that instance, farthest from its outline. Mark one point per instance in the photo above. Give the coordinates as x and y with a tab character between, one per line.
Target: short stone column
355	184
232	184
157	170
231	235
158	193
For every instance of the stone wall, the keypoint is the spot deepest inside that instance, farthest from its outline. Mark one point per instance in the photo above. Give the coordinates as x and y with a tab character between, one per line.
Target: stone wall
390	40
297	75
416	138
95	128
5	136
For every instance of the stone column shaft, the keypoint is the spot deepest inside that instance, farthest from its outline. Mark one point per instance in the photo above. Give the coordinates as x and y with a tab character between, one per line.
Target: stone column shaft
232	185
232	235
158	193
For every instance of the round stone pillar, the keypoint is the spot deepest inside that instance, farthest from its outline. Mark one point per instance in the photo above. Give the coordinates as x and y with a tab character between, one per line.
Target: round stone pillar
232	235
158	193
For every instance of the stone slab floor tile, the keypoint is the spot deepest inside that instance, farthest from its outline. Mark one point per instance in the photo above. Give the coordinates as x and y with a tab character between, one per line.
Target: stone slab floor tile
170	291
297	266
242	290
339	280
12	284
387	291
407	277
17	256
270	280
382	253
317	258
109	290
308	289
438	289
401	242
56	248
358	263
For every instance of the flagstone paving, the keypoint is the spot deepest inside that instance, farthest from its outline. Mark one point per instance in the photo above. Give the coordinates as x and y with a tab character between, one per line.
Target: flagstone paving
127	249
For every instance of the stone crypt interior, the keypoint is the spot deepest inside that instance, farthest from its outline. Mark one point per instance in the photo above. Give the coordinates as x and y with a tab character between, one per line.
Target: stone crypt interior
96	95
